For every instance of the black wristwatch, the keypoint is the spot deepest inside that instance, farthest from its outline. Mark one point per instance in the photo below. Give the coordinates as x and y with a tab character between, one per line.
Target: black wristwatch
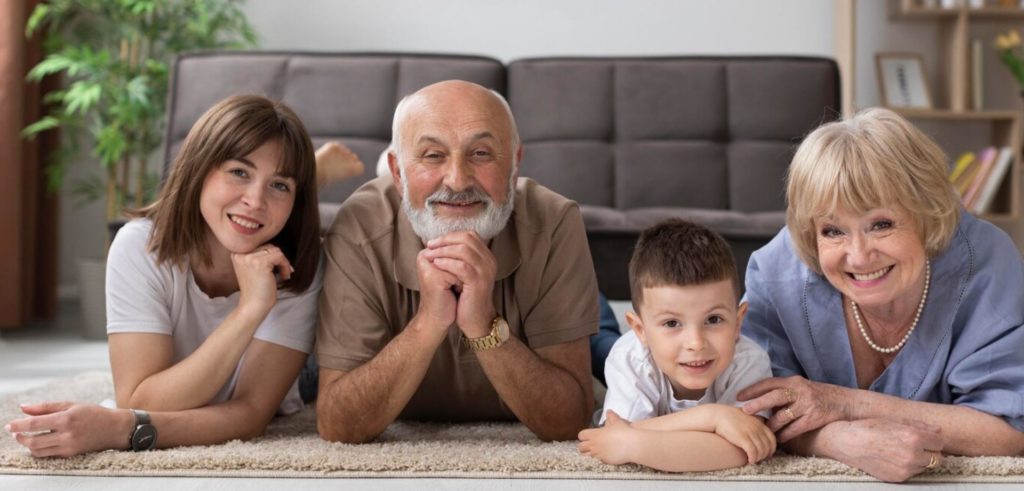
143	437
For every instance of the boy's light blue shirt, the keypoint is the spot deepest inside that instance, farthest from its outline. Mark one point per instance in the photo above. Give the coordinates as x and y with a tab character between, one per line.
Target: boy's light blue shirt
967	349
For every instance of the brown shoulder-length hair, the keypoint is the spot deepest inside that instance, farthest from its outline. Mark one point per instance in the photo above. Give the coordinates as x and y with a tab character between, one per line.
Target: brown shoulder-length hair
234	128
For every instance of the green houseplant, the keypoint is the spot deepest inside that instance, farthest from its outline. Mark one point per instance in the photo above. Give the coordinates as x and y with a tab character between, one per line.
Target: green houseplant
114	57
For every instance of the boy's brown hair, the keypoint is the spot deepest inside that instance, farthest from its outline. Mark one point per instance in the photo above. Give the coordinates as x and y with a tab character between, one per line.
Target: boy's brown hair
676	252
234	128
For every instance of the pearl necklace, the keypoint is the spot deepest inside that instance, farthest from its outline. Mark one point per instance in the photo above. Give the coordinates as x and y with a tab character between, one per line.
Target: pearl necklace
917	315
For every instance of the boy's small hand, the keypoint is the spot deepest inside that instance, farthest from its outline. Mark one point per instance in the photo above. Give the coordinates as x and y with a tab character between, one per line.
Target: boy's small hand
747	432
611	443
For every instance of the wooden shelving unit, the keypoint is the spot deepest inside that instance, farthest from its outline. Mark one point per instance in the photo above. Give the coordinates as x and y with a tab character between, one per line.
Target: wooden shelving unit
961	131
956	24
958	128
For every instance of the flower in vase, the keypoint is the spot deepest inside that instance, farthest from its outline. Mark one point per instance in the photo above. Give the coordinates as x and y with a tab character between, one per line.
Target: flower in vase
1010	53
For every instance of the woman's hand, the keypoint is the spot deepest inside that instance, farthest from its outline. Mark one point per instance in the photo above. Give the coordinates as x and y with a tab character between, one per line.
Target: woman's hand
889	450
799	404
63	429
257	280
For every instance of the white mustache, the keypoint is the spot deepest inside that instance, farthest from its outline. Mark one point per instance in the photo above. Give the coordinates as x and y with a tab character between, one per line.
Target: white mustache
448	195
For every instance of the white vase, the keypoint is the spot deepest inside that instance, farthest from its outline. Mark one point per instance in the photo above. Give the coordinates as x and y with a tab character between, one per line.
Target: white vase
92	297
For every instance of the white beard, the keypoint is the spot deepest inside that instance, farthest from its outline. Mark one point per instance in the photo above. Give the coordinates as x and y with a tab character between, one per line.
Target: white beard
487	224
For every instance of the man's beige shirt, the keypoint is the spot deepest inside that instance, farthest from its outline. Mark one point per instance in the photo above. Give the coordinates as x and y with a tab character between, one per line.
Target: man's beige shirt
545	288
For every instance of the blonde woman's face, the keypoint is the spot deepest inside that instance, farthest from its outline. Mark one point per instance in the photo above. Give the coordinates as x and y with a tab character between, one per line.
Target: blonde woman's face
875	258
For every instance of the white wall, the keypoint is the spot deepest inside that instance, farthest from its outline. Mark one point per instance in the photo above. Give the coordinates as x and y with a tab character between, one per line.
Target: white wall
506	29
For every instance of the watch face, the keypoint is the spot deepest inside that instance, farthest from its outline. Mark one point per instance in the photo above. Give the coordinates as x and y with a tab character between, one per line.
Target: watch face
503	332
144	437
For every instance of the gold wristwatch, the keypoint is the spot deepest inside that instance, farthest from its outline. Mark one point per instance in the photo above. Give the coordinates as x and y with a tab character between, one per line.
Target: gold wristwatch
497	337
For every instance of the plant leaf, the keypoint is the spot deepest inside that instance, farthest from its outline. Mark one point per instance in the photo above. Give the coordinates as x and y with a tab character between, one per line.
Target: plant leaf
44	123
81	97
54	63
36	19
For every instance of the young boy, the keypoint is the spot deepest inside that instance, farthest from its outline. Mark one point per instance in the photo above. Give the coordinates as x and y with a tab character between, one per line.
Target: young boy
672	381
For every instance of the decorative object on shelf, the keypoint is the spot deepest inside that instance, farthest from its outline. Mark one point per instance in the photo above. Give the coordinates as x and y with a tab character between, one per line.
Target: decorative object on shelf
1012	55
901	80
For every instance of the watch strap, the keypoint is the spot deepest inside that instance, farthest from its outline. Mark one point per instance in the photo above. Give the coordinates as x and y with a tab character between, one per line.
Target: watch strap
143	435
491	340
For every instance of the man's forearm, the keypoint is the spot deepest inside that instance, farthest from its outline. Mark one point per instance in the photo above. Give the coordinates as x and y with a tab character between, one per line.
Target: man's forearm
547	398
357	406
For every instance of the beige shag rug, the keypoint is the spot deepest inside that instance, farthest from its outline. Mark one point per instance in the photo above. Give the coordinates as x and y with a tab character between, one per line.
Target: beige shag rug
291	448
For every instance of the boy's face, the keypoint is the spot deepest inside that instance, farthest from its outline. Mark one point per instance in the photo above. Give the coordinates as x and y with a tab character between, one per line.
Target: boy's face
691	332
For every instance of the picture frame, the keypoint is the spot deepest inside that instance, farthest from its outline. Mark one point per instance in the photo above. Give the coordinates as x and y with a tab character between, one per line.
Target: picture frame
902	81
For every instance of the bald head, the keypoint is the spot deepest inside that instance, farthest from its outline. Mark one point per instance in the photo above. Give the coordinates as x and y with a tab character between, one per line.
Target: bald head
451	96
455	157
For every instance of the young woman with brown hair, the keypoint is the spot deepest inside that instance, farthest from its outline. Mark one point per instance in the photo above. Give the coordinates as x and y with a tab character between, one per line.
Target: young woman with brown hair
211	294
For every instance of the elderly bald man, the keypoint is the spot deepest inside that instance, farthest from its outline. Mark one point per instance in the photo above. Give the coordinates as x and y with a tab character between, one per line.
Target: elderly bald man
454	290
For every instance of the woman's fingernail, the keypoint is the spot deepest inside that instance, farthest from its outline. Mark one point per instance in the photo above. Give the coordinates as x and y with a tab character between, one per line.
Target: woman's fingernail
7	427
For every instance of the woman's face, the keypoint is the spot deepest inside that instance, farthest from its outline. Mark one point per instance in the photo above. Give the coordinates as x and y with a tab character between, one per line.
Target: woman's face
873	259
245	202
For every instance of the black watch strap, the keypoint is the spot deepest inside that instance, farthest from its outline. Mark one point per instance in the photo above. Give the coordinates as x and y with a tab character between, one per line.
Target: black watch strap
144	434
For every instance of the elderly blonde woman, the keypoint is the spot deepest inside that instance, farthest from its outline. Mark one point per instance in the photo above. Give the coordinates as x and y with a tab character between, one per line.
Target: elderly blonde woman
892	317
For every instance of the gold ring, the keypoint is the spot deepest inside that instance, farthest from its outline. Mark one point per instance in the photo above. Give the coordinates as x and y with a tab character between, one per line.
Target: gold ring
790	398
789	413
933	463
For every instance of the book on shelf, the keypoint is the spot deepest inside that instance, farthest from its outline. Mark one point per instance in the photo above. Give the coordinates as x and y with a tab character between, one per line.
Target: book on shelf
993	180
985	161
977	96
960	166
964	180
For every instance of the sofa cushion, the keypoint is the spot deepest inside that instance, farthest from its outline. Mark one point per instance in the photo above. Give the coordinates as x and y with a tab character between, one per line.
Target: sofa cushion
670	100
570	100
582	169
695	132
728	223
686	173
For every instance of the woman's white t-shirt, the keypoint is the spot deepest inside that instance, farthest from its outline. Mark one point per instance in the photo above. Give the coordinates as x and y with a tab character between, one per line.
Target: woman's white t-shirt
146	297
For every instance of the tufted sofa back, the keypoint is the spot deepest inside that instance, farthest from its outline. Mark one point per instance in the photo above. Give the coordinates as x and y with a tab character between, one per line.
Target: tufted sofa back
692	132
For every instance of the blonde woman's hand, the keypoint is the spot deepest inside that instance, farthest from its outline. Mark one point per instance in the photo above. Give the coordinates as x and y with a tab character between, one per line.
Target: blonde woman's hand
64	429
889	450
258	274
799	405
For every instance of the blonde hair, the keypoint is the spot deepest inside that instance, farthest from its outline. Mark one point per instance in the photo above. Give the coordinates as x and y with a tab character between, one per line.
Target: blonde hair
875	159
